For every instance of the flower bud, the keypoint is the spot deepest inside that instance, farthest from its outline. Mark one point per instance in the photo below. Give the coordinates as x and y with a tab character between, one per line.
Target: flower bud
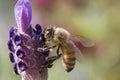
23	13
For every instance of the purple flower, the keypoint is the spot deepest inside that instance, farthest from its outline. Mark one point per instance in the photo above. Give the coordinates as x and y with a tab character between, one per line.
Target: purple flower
23	42
23	14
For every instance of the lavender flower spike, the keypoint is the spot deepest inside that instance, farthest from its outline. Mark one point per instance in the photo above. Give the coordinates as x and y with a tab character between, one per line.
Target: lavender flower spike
23	44
23	14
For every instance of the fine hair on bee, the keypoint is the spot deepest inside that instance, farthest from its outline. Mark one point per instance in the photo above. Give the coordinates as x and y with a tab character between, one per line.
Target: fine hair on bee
57	37
60	37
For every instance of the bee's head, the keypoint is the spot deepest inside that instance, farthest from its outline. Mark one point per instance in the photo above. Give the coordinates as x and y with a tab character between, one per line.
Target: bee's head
49	33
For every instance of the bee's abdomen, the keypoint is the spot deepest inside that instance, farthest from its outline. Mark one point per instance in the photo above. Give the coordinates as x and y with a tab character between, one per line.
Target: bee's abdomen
69	61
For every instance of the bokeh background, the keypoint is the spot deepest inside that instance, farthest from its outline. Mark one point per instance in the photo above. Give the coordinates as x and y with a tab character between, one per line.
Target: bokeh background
98	20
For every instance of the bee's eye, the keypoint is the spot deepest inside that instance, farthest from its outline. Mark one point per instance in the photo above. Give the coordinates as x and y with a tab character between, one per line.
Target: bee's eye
49	33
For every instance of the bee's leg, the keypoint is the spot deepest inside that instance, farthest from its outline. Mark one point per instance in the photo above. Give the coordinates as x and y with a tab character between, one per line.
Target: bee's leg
49	62
52	47
45	48
53	58
58	53
50	65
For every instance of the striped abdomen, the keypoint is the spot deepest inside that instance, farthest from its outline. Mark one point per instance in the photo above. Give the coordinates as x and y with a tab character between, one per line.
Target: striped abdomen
68	56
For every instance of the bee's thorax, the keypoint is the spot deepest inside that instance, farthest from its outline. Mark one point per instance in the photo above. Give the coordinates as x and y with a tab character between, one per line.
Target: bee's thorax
60	35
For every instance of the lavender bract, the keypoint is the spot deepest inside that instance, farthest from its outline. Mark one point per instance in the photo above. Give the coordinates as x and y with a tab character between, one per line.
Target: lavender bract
11	57
22	44
23	14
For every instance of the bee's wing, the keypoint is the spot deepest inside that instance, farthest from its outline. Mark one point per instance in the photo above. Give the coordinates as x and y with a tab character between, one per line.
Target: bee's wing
78	53
83	40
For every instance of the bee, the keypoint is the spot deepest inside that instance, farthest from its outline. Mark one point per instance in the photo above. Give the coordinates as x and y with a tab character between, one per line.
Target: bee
59	37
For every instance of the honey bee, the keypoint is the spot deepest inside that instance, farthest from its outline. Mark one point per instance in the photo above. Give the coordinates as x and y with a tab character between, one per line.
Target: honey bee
59	37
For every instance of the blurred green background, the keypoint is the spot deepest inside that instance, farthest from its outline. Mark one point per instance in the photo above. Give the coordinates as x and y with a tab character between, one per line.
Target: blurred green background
98	20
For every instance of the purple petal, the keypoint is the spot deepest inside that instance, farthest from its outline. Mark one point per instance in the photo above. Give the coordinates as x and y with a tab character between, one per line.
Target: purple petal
23	14
42	37
22	66
18	40
11	32
11	57
41	40
38	29
16	69
11	46
20	54
45	53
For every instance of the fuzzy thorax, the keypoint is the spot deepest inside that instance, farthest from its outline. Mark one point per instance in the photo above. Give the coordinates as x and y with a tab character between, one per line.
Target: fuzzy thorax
60	35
